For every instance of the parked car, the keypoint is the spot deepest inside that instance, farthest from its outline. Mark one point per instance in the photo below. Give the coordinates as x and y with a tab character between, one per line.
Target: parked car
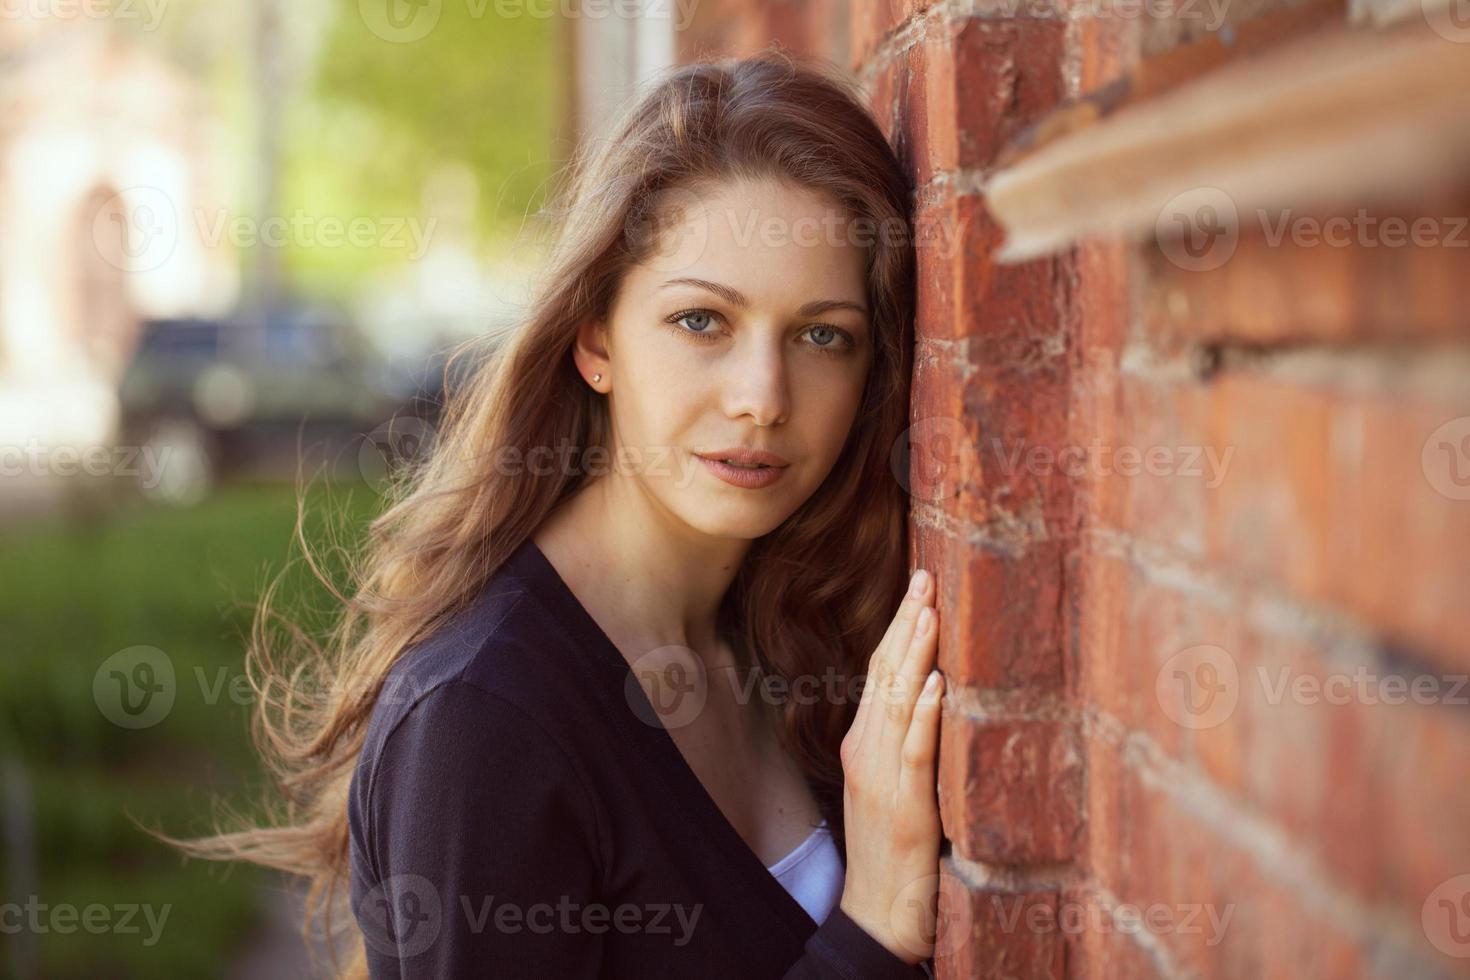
214	397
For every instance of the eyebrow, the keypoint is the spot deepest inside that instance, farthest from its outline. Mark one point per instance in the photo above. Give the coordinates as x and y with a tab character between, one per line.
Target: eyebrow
734	297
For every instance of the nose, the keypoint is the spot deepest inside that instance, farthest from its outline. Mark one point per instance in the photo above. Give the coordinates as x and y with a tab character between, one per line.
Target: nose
757	384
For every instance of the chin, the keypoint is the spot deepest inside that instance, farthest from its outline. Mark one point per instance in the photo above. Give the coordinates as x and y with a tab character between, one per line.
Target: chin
744	521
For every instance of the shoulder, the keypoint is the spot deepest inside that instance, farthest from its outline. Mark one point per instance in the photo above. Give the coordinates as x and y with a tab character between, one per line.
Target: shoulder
503	646
493	685
490	671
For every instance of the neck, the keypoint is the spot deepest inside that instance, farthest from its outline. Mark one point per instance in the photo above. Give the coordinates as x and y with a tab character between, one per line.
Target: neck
648	579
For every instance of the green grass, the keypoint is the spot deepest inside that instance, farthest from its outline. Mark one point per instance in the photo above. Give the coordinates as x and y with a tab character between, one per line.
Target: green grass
183	582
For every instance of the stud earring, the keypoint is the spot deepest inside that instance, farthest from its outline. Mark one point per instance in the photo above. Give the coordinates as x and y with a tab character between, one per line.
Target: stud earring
597	377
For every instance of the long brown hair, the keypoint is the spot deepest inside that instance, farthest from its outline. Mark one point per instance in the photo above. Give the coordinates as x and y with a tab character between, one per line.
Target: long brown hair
813	596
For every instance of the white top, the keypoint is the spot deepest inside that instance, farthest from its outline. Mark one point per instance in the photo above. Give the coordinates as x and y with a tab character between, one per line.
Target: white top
813	873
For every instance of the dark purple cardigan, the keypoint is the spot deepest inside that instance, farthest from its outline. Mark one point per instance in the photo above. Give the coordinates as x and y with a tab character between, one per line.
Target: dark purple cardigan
512	816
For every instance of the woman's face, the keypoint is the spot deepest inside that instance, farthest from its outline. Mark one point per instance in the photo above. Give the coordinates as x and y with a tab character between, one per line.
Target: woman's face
747	327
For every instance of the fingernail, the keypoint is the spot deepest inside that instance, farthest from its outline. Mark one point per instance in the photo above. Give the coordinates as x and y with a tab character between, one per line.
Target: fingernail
917	583
931	683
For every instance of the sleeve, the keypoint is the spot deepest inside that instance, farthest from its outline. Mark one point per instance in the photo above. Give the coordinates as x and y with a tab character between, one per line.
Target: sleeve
841	949
483	836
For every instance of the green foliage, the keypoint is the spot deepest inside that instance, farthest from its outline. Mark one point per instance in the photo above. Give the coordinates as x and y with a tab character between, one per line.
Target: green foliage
479	90
185	583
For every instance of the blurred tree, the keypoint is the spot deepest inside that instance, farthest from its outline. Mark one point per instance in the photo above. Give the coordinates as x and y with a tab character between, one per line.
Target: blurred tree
378	118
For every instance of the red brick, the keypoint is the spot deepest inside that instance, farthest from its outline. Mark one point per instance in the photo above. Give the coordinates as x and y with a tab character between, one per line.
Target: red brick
984	81
874	21
1323	762
1010	792
1001	617
1002	940
1015	312
1292	292
1325	494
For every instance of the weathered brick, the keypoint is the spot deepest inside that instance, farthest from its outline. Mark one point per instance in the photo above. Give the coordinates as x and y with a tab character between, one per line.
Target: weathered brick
1003	940
1292	290
984	81
1011	792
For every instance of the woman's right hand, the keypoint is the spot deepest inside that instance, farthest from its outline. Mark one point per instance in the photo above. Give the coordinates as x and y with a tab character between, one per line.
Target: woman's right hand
891	805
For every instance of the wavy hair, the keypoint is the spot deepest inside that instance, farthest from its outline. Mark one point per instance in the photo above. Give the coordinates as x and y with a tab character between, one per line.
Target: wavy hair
813	595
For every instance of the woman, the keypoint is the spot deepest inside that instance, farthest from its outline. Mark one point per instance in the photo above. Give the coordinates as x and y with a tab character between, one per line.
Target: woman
597	706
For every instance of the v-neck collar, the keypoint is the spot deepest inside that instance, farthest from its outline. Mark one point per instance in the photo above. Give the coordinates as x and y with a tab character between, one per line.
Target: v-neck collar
530	563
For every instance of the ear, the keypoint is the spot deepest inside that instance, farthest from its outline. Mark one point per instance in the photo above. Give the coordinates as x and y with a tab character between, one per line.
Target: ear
591	354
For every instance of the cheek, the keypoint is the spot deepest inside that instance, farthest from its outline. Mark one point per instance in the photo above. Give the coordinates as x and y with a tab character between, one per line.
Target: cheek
828	404
660	388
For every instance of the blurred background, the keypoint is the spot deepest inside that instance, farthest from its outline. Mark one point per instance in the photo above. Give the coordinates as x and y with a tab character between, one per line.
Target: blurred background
237	240
1190	455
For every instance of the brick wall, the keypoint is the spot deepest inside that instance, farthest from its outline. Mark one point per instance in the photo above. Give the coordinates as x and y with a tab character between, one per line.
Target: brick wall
1205	534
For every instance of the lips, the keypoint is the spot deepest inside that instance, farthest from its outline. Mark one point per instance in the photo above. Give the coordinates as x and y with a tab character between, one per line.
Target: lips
745	458
747	477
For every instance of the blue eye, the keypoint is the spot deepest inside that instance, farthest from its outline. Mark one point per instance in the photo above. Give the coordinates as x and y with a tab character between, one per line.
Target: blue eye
823	335
695	315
